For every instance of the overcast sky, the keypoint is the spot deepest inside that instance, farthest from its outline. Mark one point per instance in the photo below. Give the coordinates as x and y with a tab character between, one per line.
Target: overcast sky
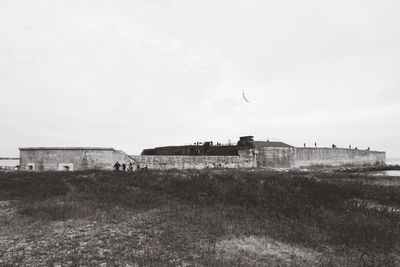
138	74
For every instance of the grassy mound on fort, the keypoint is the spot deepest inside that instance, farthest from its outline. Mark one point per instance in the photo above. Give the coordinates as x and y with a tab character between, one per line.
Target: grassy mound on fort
211	218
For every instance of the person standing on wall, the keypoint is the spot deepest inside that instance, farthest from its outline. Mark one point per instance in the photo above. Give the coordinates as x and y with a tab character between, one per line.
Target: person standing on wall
116	166
124	166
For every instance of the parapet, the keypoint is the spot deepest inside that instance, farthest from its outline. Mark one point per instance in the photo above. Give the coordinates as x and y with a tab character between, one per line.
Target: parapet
66	148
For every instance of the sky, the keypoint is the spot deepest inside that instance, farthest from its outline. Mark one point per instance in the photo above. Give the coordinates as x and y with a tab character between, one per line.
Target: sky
139	74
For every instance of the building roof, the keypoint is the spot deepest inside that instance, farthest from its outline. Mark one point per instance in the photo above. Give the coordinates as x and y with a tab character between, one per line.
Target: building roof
193	150
66	148
246	137
271	144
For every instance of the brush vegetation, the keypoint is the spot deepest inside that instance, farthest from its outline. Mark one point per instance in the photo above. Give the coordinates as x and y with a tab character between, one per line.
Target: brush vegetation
198	218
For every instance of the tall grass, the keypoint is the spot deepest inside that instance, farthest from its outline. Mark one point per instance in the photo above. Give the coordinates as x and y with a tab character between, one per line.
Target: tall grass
308	209
31	185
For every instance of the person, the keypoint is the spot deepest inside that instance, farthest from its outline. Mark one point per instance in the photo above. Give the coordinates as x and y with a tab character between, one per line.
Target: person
315	144
124	166
116	166
130	167
304	144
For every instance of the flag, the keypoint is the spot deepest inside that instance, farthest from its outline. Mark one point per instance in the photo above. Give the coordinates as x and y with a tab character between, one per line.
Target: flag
244	97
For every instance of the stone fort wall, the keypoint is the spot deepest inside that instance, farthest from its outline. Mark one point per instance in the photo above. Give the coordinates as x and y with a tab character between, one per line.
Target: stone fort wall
337	157
275	157
267	157
244	160
76	159
52	159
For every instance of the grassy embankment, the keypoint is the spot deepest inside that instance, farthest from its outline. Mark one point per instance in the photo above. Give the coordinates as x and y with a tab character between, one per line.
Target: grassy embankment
207	218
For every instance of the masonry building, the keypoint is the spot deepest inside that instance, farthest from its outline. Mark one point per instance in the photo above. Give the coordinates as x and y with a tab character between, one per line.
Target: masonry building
246	153
70	158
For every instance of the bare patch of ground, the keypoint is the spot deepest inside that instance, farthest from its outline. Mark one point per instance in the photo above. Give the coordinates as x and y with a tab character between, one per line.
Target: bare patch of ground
373	205
266	250
82	242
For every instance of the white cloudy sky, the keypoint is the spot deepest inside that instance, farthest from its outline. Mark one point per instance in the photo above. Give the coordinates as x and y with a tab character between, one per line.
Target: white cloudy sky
136	74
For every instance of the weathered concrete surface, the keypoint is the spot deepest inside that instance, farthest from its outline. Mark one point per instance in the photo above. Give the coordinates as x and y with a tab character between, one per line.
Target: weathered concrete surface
337	157
244	160
55	159
247	158
275	157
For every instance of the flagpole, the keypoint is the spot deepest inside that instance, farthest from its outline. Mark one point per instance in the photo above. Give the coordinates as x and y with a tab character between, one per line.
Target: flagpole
241	130
244	103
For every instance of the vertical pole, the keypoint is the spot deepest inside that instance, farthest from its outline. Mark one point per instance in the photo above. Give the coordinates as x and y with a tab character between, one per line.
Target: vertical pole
242	110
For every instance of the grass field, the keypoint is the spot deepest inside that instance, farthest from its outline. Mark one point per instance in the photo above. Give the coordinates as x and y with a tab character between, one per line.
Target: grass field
199	218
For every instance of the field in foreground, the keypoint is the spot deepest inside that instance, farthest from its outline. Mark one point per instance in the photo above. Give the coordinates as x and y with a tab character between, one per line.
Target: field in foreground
198	218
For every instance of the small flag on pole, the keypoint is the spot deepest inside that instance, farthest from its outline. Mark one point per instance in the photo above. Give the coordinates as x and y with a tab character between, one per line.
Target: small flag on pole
244	97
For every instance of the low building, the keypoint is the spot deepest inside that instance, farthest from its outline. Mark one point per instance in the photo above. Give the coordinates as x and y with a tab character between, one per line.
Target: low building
201	155
247	153
70	158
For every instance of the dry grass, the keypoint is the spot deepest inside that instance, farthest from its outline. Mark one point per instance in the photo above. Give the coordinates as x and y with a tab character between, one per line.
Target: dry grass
203	218
255	249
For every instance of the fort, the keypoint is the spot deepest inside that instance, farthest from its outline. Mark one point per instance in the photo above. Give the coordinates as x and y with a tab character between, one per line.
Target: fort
246	153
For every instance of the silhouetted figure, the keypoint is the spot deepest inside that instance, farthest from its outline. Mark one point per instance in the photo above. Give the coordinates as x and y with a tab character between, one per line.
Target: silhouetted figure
315	144
130	167
333	146
124	166
350	146
304	144
116	166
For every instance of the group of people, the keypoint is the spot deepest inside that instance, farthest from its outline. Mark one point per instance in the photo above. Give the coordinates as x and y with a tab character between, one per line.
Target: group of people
315	144
117	166
334	146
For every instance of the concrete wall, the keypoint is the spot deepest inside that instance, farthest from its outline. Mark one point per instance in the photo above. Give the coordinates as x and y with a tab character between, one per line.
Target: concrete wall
337	157
246	160
54	159
275	157
76	159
